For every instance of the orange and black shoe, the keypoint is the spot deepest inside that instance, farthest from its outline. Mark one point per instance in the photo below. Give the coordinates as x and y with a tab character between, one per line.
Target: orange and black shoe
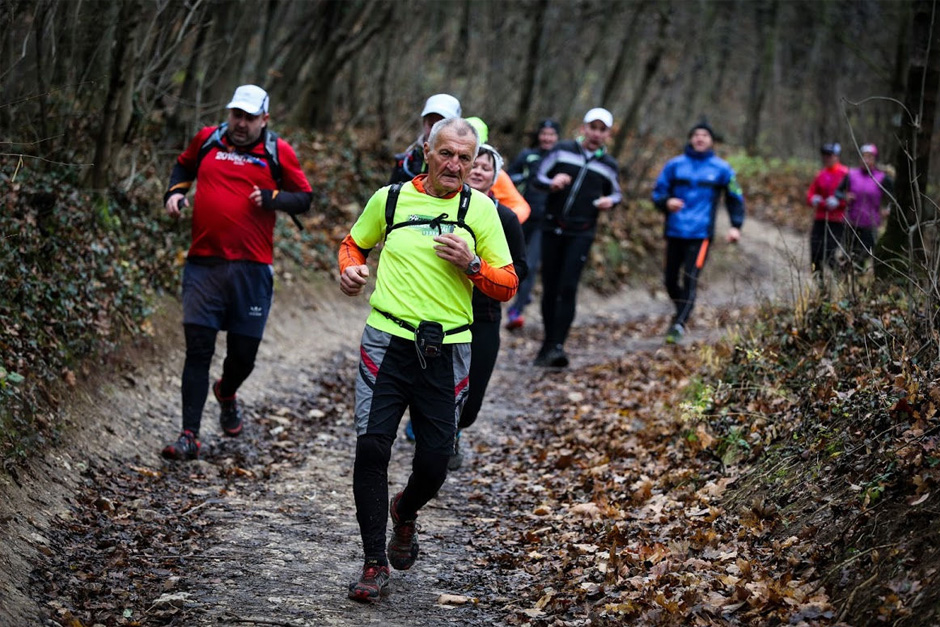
230	415
185	448
403	547
372	582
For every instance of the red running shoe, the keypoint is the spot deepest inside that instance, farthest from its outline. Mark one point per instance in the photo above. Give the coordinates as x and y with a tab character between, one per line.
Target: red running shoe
230	414
185	448
403	547
371	584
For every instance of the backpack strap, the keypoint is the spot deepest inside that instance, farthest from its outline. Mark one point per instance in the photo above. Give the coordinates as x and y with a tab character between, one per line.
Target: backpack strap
391	202
274	160
214	140
465	195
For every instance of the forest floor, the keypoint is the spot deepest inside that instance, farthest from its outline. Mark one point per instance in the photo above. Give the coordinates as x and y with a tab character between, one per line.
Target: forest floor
261	530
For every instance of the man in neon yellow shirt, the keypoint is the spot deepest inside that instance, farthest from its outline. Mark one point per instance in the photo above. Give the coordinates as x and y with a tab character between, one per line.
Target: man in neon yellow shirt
441	239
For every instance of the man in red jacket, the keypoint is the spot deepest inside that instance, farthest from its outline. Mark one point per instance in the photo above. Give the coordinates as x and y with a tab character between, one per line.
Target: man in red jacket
828	224
246	173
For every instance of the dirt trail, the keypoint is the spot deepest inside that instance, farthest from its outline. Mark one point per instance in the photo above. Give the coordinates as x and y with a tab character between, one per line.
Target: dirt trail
281	550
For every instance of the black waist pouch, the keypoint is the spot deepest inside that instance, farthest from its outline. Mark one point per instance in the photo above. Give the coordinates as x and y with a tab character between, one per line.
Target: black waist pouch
429	337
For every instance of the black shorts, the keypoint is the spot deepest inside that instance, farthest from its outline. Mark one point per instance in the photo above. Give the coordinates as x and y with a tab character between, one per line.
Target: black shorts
391	380
230	296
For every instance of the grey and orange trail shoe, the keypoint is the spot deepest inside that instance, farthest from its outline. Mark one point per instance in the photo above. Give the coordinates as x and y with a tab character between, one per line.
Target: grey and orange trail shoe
372	582
403	547
185	448
230	415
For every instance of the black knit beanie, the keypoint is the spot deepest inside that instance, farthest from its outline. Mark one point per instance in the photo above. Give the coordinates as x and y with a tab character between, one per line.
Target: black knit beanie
549	123
703	125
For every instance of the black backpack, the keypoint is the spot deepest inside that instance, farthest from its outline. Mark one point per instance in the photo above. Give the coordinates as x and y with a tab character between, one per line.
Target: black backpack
392	201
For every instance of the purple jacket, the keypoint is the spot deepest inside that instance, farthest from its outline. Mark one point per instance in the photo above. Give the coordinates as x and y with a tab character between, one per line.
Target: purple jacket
865	210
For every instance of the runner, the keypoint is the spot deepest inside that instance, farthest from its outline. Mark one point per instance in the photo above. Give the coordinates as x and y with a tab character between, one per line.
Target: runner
864	190
523	170
504	190
687	191
245	174
829	219
582	181
441	240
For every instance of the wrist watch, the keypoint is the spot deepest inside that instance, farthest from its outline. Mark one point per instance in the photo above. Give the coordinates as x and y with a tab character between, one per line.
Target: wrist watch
474	266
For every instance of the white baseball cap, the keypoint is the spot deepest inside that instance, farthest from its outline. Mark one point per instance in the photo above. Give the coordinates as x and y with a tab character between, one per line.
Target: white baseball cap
444	105
601	114
251	99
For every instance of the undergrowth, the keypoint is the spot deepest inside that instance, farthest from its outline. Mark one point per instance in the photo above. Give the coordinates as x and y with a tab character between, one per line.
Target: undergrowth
832	413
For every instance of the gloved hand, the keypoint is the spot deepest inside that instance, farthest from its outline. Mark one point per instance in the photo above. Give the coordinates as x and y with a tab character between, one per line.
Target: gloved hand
832	202
815	200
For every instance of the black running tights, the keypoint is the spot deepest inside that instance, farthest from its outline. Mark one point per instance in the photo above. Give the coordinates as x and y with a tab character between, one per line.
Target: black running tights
685	259
240	354
370	488
484	349
563	259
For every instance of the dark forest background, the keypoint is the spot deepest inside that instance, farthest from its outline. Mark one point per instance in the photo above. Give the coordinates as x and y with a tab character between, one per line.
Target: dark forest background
88	82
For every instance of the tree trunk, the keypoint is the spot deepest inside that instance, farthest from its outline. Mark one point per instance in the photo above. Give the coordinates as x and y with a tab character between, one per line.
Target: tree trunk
900	251
527	80
267	36
189	93
763	67
124	18
41	12
650	68
347	29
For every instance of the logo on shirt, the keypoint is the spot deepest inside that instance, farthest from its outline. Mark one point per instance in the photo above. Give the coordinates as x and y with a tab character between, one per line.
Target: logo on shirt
428	229
255	311
239	158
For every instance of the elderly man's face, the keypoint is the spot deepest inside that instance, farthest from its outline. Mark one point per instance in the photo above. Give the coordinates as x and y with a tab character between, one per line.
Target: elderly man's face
449	160
244	129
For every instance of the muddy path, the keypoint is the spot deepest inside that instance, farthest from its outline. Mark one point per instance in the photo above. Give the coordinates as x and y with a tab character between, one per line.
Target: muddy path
262	530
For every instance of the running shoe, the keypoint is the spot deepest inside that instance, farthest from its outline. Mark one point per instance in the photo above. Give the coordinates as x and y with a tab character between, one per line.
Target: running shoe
185	448
230	415
372	582
675	333
514	319
557	358
403	547
553	357
456	458
541	359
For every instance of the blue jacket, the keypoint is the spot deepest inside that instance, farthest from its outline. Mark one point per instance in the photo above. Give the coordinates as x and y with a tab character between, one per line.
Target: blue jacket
699	179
